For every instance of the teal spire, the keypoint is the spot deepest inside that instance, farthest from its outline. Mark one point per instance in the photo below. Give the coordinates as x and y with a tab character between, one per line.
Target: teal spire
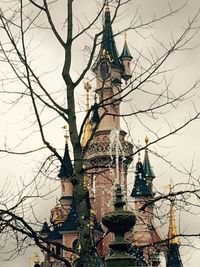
125	52
148	172
108	47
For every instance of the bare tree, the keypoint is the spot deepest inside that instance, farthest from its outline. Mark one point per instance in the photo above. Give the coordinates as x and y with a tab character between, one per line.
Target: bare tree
24	82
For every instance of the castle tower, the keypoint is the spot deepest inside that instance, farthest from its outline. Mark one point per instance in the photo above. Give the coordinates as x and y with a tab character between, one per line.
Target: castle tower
173	254
66	172
101	159
63	218
145	232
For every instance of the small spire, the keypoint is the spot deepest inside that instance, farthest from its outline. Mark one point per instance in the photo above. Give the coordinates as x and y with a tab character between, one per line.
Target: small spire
88	127
66	170
66	135
172	232
125	52
146	164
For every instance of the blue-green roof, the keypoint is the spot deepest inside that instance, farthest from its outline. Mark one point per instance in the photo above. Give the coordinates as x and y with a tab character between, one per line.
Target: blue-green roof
125	52
108	41
148	172
108	44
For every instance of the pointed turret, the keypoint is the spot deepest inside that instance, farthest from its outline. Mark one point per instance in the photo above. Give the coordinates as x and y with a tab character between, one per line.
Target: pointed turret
65	174
148	172
88	127
173	254
126	59
146	164
66	170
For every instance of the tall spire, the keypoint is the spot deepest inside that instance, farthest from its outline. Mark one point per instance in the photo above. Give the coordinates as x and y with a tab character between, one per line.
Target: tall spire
173	254
146	164
88	127
108	47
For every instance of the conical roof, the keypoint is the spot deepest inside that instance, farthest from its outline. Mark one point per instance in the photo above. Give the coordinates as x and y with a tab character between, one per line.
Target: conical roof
66	170
125	52
148	172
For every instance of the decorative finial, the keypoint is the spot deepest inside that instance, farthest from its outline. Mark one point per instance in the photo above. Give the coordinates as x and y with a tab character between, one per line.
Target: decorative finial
107	6
36	258
95	98
125	36
139	154
146	140
66	136
87	87
88	127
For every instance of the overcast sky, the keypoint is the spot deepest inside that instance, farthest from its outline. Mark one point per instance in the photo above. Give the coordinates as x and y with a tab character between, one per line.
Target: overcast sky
182	150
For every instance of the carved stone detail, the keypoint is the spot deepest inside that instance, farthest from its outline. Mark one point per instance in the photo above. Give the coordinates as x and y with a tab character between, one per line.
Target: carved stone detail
99	149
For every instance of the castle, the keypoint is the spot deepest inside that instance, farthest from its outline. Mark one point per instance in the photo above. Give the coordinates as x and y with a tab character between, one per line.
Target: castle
108	155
